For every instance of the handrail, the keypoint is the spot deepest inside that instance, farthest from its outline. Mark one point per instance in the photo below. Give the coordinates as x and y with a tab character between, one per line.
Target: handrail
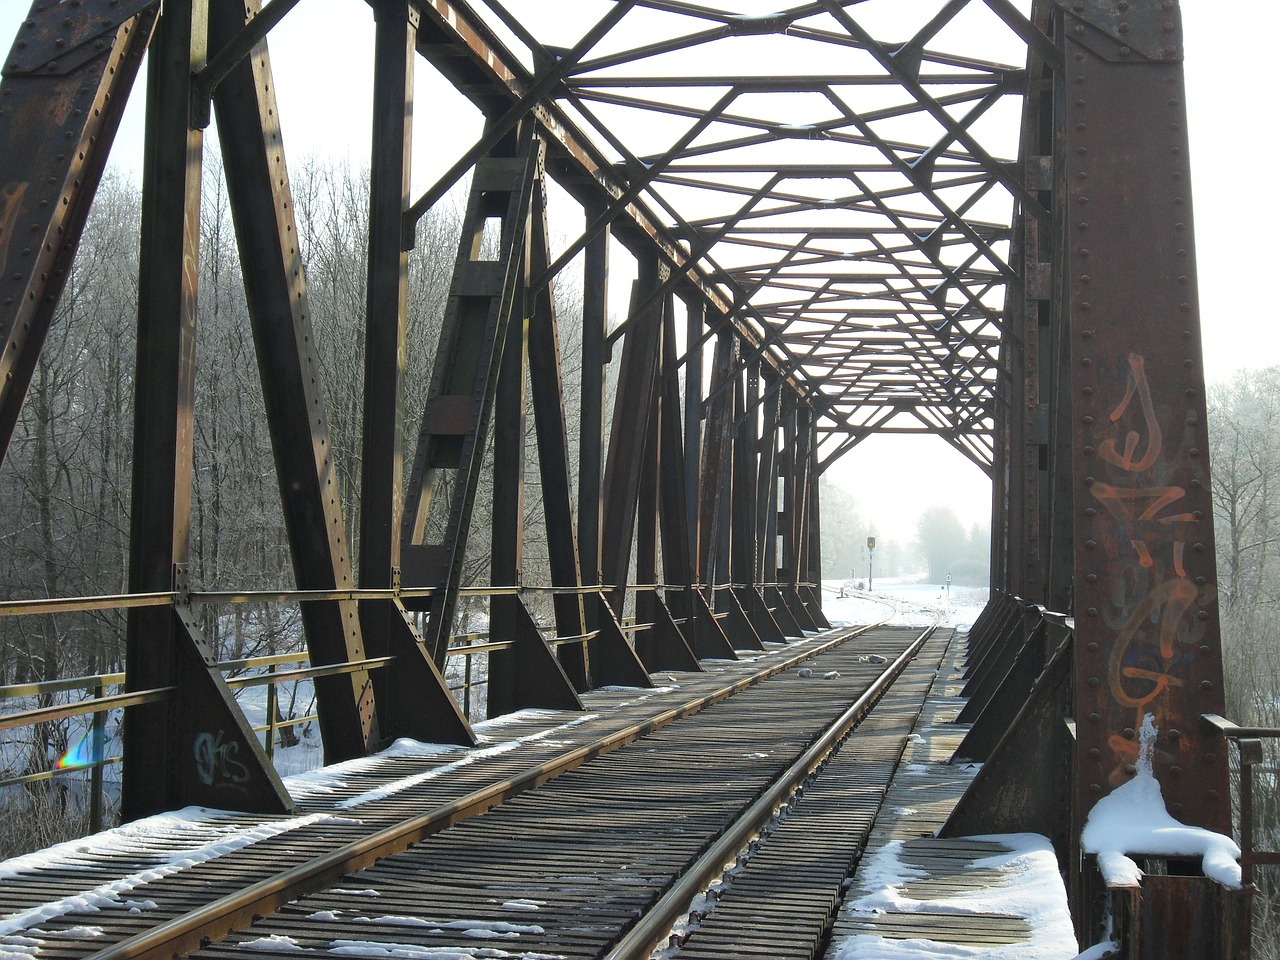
41	687
26	718
12	608
121	601
99	705
1248	741
306	673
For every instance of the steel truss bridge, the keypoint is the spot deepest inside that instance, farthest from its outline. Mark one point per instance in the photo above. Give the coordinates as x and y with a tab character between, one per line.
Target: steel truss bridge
843	223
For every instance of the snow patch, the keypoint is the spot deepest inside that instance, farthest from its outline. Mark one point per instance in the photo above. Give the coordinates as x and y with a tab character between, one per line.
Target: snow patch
1107	948
471	928
334	778
409	951
19	948
1033	890
273	942
1133	819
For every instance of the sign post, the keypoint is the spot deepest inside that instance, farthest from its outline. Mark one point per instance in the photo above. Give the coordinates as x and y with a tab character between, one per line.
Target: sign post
871	550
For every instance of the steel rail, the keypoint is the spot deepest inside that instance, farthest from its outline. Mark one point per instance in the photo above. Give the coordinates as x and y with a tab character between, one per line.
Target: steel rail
657	922
216	919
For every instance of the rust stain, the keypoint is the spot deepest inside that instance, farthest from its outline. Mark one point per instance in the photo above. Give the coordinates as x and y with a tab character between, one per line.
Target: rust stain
11	195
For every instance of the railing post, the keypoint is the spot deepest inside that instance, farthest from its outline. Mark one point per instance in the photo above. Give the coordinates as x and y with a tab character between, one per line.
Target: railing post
272	706
98	742
466	687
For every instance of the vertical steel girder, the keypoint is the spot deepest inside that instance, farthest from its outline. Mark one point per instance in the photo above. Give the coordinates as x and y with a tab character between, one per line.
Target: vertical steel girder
196	746
547	385
275	286
595	321
1024	451
527	674
636	392
706	637
412	698
1147	636
612	659
711	474
451	440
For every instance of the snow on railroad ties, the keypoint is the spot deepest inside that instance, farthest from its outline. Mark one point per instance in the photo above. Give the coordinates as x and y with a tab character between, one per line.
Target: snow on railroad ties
337	778
193	836
1019	883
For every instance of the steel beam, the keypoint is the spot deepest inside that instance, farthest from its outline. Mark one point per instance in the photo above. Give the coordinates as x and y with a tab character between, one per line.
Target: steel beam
62	96
1147	635
412	699
628	438
547	386
196	746
280	314
486	296
527	674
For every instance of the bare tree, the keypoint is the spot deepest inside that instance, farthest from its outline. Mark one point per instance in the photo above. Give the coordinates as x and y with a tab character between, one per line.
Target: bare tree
1245	451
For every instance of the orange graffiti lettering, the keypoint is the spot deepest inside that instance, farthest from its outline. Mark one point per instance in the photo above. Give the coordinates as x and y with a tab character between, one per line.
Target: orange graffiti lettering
1172	599
1155	442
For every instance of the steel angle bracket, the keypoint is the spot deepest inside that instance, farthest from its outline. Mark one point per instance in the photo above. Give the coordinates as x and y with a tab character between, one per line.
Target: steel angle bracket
535	678
1022	785
613	660
216	757
58	38
1119	30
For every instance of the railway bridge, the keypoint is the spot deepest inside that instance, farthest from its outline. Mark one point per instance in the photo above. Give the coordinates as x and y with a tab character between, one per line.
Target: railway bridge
792	229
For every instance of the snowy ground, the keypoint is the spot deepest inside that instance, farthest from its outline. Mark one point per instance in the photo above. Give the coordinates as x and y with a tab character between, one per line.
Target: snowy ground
916	603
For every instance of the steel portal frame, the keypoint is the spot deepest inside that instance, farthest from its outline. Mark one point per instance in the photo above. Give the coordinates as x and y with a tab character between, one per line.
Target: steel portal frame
853	251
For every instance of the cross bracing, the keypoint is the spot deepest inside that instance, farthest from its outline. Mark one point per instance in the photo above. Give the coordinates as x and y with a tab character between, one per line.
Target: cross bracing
842	179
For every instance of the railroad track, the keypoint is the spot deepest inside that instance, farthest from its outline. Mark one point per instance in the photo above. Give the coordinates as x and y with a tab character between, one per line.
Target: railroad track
716	815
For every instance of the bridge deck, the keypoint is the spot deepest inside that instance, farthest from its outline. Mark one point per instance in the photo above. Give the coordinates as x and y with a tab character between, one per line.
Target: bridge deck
557	871
139	875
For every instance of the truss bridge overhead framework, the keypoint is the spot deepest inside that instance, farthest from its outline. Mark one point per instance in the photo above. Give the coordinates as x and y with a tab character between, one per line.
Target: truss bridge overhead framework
792	229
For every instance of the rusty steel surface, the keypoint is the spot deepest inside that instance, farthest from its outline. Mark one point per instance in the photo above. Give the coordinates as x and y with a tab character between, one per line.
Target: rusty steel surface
57	121
1147	640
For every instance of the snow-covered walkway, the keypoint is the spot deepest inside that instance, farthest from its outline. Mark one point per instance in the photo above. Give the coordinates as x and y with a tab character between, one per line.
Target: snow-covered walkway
915	896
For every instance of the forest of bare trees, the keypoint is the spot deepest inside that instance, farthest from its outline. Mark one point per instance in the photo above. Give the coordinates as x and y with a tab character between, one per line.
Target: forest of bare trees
1245	450
66	479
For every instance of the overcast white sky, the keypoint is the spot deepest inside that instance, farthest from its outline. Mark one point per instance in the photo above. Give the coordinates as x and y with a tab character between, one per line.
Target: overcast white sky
324	107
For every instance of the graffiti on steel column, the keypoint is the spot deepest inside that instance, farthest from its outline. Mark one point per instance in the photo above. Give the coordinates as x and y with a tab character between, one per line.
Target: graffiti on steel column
11	195
1154	638
216	763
